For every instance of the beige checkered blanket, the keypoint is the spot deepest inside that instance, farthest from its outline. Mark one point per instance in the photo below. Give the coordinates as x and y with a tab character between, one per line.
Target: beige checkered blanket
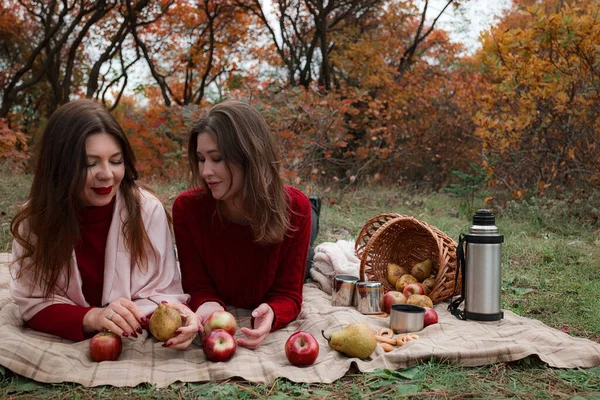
46	358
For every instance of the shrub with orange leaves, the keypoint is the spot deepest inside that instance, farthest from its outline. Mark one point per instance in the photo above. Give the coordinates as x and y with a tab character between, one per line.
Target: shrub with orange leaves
158	137
13	146
539	122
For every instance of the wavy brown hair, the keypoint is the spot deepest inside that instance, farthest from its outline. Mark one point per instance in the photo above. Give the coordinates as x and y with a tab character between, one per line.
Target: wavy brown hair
244	139
46	226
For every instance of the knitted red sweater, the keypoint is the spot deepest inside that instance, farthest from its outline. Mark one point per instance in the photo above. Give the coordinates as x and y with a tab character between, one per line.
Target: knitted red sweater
66	320
221	262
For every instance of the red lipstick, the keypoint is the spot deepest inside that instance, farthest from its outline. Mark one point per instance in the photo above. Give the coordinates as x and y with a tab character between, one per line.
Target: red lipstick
103	190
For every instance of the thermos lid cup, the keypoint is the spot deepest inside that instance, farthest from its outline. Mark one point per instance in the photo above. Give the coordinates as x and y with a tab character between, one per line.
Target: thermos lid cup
369	297
405	318
343	290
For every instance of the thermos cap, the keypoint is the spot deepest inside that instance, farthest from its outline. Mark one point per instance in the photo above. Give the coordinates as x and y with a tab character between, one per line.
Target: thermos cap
484	223
484	217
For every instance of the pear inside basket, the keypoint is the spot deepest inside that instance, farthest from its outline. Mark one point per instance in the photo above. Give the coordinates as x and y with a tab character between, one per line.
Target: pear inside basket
406	241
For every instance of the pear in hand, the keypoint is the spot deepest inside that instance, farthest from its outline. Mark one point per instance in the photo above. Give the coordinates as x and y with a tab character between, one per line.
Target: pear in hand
164	322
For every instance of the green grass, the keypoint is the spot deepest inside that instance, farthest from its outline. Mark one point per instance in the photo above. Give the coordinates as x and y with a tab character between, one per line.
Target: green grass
551	267
14	189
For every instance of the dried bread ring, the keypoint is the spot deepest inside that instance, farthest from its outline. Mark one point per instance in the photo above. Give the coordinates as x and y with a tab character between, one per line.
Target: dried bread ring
402	339
386	347
385	339
385	332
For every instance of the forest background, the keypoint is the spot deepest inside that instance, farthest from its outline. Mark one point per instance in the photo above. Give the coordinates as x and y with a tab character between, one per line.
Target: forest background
356	91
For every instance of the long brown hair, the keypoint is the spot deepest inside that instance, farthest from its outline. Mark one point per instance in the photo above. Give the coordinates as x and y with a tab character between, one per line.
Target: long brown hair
244	139
46	226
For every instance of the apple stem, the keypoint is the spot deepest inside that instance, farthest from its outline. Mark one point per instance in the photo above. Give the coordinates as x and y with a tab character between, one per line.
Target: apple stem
326	338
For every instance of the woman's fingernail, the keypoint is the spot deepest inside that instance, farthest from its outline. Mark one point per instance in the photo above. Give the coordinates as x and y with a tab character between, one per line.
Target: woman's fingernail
134	334
164	302
144	320
139	330
177	332
125	334
167	344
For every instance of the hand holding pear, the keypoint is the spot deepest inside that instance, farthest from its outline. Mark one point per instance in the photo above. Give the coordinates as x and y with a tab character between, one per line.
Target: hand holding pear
164	322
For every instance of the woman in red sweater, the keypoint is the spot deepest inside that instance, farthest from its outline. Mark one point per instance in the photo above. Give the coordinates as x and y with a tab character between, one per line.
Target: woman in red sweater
85	258
242	236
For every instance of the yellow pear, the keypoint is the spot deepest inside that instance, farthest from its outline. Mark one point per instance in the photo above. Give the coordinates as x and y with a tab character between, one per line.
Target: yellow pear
394	272
355	340
429	283
164	322
403	281
421	270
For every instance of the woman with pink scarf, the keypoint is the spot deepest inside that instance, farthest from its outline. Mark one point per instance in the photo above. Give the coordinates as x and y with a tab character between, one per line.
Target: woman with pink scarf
92	250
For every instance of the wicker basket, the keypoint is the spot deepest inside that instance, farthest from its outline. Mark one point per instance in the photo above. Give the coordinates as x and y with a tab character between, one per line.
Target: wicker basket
404	240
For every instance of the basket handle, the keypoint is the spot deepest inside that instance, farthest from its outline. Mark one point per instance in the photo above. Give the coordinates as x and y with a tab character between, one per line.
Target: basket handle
369	229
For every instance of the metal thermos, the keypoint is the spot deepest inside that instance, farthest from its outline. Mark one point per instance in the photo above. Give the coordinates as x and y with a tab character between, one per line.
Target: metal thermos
479	257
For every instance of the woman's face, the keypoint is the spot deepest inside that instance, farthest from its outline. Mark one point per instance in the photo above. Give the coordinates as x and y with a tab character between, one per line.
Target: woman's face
105	169
223	184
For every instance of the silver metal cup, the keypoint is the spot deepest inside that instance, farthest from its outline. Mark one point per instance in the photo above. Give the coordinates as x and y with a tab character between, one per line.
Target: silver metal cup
406	318
343	290
369	297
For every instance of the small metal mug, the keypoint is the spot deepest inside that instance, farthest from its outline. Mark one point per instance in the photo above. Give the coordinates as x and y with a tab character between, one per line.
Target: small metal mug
406	318
343	290
369	297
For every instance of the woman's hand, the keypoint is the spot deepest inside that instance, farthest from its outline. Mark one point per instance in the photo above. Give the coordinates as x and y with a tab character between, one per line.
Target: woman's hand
263	320
187	333
122	317
204	311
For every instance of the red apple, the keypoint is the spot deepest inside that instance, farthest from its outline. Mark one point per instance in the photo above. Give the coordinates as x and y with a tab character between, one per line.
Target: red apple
413	288
431	317
392	297
105	346
220	320
219	345
301	348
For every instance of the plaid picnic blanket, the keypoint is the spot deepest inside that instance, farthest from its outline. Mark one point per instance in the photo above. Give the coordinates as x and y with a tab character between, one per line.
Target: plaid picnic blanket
47	358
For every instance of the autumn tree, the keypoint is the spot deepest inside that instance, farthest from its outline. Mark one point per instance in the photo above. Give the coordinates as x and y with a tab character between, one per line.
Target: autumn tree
301	33
68	46
195	44
409	101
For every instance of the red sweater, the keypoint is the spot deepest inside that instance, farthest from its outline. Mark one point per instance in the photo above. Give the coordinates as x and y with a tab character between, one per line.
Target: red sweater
221	262
66	320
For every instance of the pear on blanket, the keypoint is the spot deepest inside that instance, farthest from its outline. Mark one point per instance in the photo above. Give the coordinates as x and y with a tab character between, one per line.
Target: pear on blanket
164	322
355	340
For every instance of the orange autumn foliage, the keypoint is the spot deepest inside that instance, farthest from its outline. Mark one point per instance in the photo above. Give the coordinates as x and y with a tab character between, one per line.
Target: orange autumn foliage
13	146
539	121
157	136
